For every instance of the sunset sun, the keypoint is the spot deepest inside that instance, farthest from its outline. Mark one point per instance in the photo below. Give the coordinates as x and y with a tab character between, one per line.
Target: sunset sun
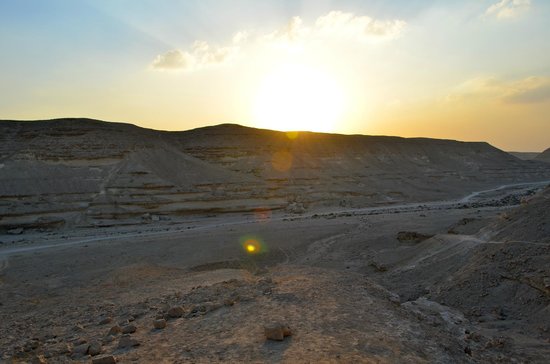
299	97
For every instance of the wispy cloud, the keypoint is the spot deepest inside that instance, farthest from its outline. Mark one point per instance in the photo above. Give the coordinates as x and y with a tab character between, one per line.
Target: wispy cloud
506	9
524	91
360	27
200	55
334	24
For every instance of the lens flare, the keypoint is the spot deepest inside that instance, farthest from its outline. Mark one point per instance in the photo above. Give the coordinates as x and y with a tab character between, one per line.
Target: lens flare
252	245
282	161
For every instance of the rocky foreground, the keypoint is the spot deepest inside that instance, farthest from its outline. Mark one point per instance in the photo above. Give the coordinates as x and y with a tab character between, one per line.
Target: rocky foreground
122	245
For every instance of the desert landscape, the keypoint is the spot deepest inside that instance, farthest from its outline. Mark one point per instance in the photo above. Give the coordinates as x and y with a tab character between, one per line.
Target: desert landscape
123	244
275	181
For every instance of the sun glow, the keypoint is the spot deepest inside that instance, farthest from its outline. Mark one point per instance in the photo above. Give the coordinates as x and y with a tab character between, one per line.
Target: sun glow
297	97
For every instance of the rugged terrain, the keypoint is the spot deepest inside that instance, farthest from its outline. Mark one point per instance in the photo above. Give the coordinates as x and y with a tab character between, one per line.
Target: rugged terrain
81	172
109	229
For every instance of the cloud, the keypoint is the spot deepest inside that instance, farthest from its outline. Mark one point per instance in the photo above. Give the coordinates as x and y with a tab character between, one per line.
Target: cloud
506	9
292	31
524	91
361	27
174	59
200	55
333	24
528	91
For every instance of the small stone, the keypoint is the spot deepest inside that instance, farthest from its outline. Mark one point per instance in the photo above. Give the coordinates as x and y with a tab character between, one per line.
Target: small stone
106	320
79	341
95	348
277	331
107	339
81	349
31	345
60	349
115	330
394	298
129	329
176	311
39	359
108	359
16	231
126	341
159	324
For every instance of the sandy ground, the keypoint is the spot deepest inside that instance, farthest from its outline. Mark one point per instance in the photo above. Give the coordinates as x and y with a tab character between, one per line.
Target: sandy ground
339	279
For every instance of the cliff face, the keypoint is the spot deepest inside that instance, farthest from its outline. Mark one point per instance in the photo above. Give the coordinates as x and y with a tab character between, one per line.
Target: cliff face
86	172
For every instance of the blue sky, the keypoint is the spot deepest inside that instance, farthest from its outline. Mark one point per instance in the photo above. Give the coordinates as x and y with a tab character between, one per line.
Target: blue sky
470	70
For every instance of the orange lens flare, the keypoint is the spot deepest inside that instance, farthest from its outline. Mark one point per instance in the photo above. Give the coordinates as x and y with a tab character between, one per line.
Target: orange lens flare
282	161
252	245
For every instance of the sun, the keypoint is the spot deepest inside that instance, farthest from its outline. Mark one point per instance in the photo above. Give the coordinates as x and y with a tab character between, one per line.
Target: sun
298	97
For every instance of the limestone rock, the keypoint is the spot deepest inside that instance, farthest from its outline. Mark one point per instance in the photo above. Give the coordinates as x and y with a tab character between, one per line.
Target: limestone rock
95	348
126	341
176	311
277	331
106	320
81	349
115	330
129	329
159	324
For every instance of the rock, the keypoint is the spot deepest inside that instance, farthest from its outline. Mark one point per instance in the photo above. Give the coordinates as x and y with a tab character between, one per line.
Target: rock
108	359
176	311
277	331
31	345
78	328
81	349
412	236
159	324
394	298
106	320
79	341
39	359
115	330
60	349
107	339
126	341
129	329
95	348
16	231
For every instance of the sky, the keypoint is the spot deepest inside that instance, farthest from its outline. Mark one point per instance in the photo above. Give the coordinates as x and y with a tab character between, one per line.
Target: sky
474	70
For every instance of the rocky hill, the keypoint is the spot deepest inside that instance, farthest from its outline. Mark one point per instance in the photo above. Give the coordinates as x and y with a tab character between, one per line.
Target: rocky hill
87	172
544	156
499	277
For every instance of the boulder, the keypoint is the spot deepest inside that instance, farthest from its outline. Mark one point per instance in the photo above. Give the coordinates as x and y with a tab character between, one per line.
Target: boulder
126	341
159	324
95	348
176	311
277	331
129	329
